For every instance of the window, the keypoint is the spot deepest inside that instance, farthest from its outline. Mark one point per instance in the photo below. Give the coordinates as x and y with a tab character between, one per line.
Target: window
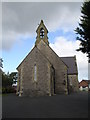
35	72
41	33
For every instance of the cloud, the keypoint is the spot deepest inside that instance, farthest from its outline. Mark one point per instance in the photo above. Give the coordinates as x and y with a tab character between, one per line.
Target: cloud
21	19
42	1
8	40
0	25
24	17
64	47
11	38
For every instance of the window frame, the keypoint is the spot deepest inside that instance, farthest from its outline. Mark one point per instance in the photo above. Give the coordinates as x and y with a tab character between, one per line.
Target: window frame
35	73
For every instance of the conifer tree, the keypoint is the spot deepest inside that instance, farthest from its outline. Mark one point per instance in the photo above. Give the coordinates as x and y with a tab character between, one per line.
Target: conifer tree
83	30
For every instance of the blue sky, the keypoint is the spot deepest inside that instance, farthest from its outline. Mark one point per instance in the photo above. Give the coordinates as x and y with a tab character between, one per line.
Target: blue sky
19	24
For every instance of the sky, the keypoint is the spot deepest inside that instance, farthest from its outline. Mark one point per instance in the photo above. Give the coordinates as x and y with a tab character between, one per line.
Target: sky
20	21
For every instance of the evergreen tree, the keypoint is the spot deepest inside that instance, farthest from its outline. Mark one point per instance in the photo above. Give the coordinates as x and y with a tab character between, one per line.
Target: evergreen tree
83	30
1	65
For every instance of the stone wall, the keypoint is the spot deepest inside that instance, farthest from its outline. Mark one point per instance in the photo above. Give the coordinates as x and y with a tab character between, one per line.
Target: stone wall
41	86
73	83
59	66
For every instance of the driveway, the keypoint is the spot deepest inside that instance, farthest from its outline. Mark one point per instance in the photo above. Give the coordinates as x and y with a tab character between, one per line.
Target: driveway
59	106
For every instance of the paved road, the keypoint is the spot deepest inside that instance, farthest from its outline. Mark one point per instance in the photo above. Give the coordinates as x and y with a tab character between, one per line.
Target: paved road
58	106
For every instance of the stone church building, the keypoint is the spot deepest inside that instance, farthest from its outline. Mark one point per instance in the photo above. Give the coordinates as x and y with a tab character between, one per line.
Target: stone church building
43	72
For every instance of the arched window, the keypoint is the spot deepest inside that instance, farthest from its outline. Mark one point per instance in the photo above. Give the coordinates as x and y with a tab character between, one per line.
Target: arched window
41	33
35	72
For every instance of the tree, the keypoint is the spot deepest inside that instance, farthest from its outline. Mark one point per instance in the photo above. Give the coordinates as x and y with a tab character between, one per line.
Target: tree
6	80
9	79
83	30
1	65
14	77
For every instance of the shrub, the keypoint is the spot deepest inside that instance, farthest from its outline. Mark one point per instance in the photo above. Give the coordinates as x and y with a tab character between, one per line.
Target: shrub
8	89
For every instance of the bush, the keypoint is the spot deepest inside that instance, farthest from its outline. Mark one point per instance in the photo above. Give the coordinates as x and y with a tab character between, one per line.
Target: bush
8	89
3	90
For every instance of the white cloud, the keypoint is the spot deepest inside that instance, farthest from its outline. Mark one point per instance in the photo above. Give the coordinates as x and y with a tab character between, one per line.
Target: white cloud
23	17
0	25
64	47
10	38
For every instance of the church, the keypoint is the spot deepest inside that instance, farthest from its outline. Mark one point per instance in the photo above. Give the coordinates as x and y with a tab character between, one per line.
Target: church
43	72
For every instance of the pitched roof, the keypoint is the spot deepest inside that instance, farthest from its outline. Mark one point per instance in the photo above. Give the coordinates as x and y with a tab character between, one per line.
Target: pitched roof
84	83
71	63
87	81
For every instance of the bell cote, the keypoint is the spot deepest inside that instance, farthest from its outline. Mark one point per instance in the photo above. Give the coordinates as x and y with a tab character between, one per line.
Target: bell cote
42	33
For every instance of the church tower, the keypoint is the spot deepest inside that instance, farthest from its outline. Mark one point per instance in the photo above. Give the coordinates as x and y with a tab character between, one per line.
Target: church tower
41	33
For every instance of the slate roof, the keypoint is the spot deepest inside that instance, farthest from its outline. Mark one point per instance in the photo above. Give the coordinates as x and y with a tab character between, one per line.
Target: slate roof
71	63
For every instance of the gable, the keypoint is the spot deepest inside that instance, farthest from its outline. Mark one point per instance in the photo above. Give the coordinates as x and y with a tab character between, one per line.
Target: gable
71	63
42	25
24	59
32	54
